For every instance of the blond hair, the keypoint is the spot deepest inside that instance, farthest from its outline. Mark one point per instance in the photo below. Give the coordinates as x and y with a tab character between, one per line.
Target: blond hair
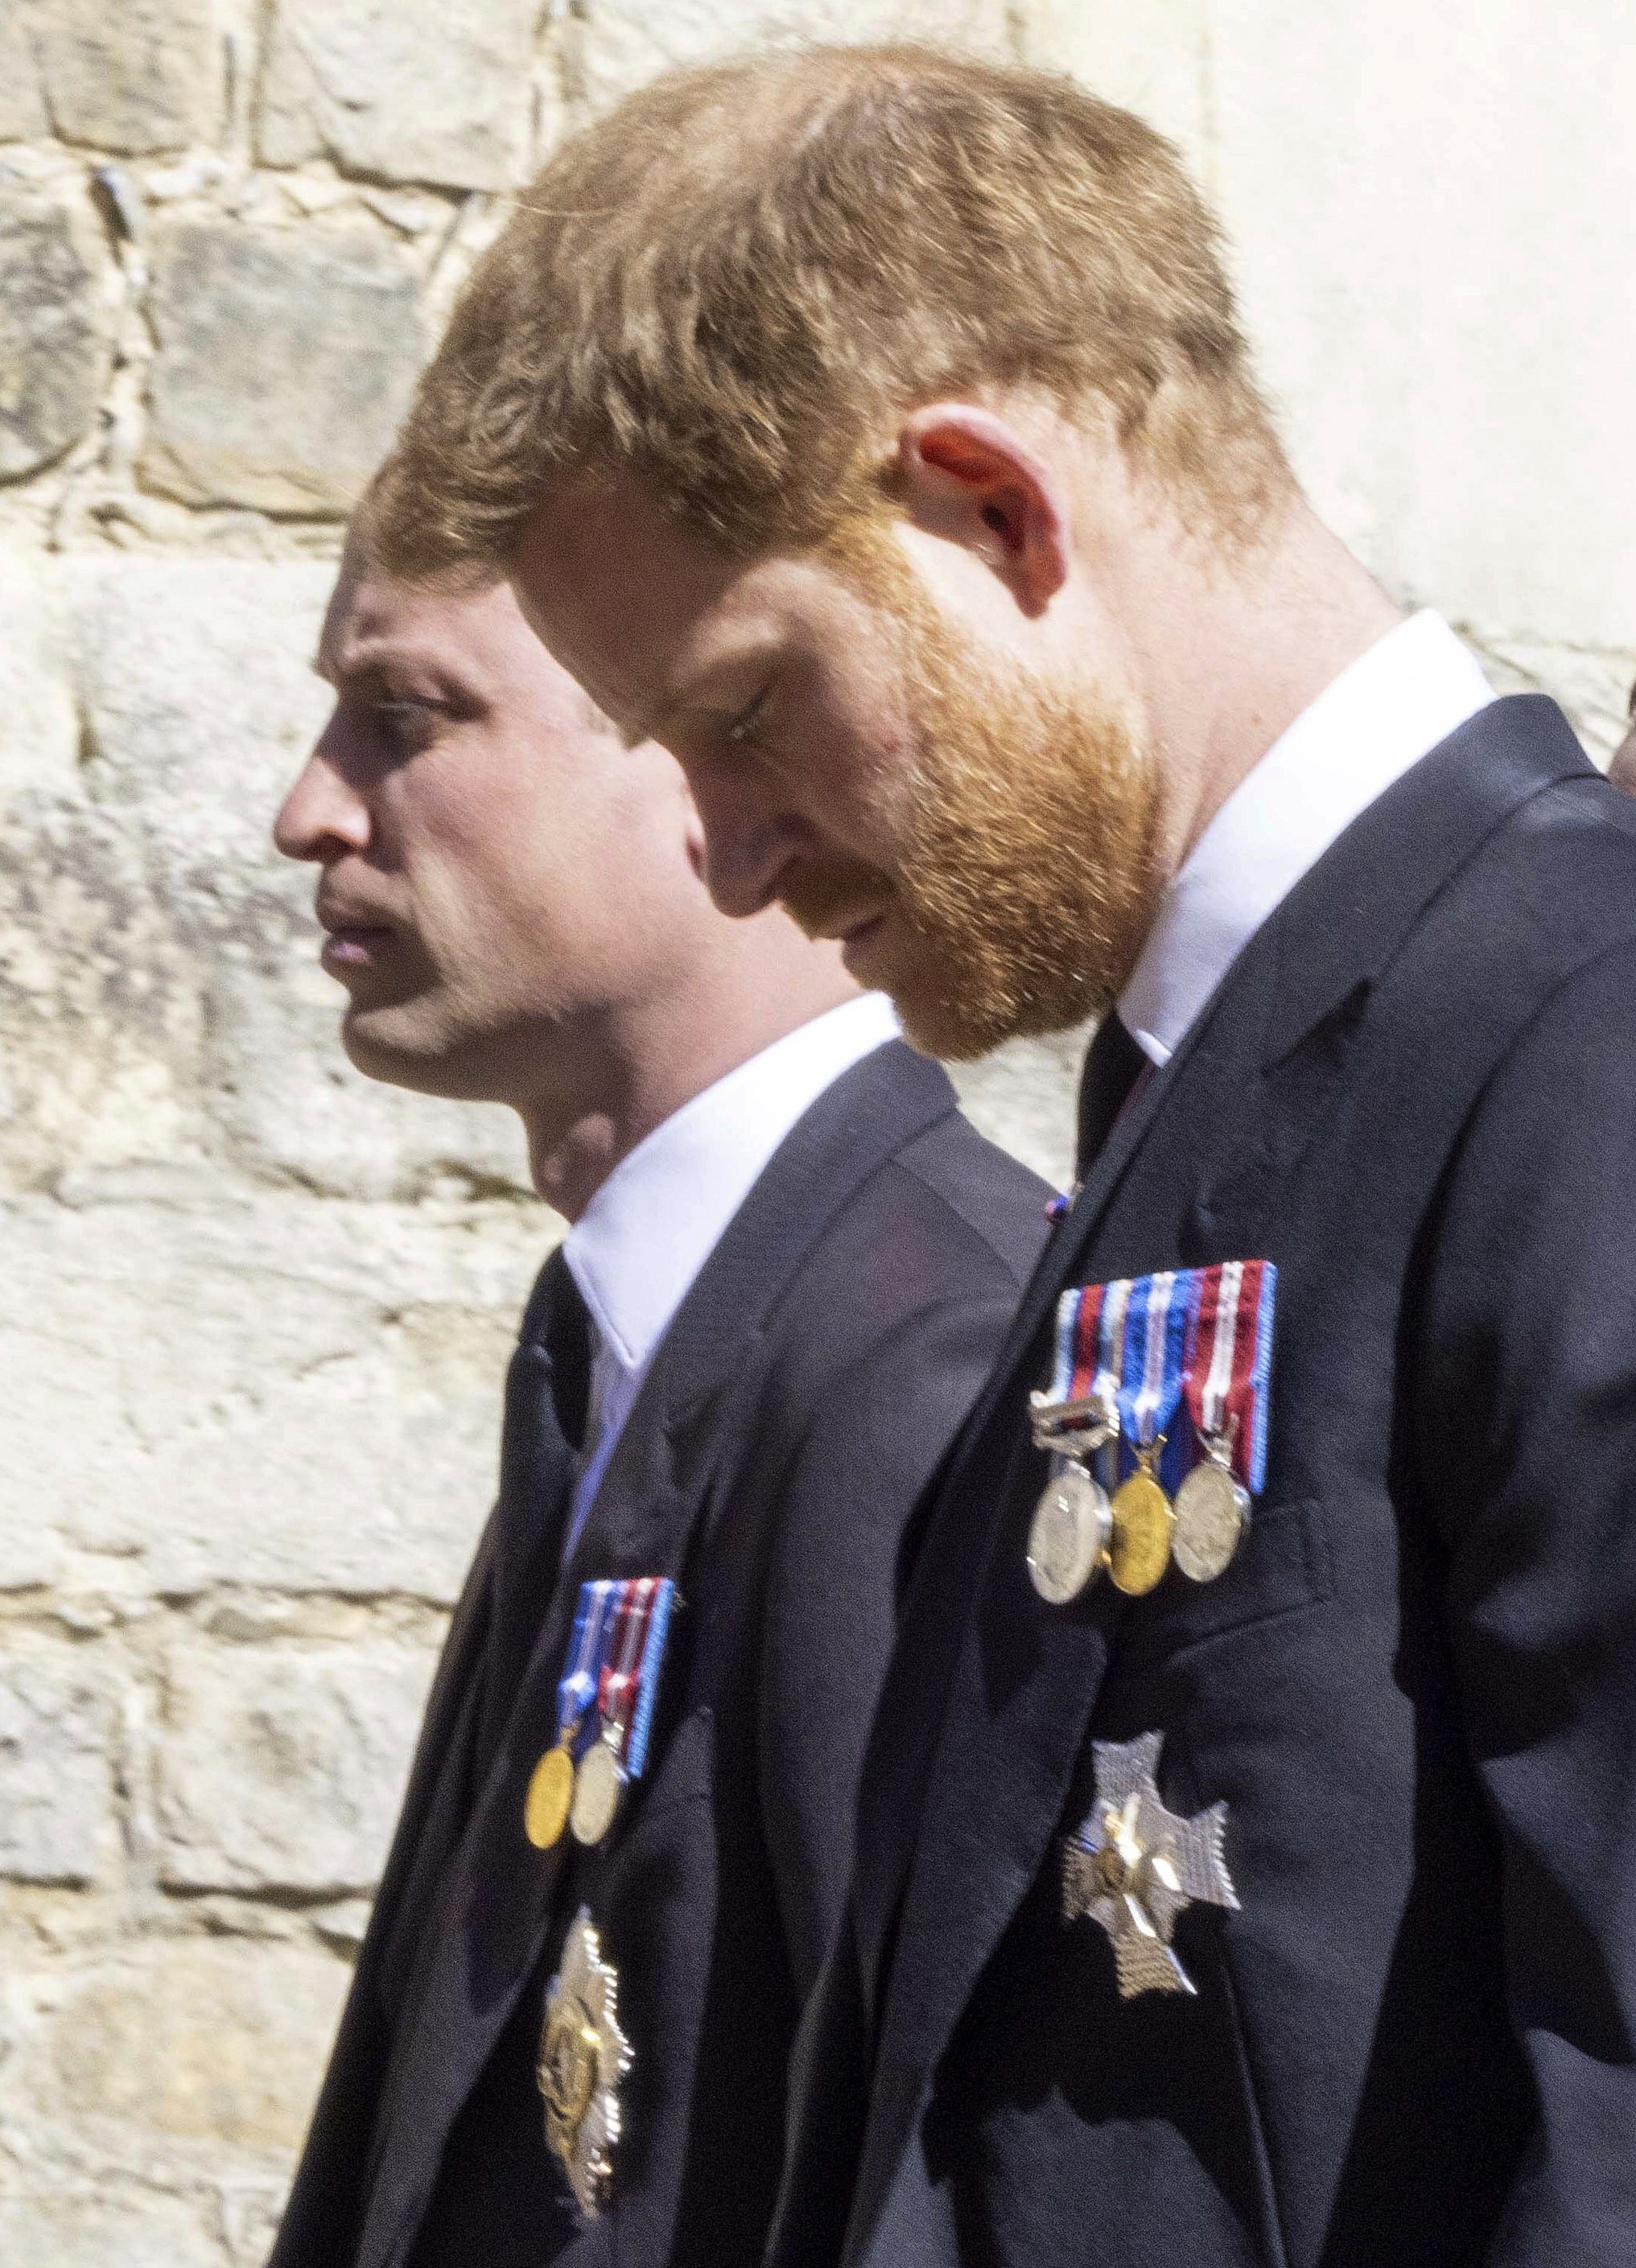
735	284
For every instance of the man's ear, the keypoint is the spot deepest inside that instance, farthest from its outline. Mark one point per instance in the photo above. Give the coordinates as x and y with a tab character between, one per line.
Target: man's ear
968	476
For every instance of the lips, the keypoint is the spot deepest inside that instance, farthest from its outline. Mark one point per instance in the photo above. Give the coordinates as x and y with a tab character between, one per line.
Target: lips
351	947
352	940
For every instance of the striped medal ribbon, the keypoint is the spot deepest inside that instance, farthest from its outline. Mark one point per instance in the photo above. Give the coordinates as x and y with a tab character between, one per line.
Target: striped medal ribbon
1228	1371
551	1783
1148	1394
1075	1420
626	1687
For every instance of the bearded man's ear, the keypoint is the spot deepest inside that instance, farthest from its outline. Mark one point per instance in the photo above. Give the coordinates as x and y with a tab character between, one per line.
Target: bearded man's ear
970	477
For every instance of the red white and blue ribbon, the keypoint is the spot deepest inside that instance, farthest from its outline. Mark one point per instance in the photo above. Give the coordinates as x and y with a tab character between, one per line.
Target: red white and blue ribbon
1145	1344
576	1688
1150	1388
615	1660
1229	1361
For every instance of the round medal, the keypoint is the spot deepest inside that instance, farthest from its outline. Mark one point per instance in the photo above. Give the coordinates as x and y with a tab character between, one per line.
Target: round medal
550	1792
598	1785
1138	1552
1068	1535
1212	1513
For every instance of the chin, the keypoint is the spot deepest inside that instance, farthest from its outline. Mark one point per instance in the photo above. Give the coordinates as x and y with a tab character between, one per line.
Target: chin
385	1045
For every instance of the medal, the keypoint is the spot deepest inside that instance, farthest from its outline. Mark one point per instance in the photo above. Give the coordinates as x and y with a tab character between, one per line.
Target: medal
584	2056
599	1783
551	1783
1212	1513
1069	1534
550	1792
1228	1368
1141	1521
1155	1347
614	1658
1135	1867
1127	1354
625	1695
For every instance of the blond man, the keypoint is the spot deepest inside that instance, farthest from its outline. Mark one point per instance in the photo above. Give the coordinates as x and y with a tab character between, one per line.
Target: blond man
789	1259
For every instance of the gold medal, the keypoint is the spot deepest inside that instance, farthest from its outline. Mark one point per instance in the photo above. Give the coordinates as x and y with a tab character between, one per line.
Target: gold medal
1139	1550
599	1783
584	2056
1212	1513
1068	1536
550	1792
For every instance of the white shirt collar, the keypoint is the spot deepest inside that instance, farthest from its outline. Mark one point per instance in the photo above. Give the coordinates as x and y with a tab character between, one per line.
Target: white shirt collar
638	1245
1386	711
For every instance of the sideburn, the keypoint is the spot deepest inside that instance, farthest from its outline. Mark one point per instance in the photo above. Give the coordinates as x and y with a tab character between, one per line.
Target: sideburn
1027	832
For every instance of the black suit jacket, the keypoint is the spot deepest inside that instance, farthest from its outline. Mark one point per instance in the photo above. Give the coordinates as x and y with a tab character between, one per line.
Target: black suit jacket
809	1384
1415	1688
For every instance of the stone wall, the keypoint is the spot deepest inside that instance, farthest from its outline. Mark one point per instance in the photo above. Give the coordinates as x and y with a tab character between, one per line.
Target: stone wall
255	1311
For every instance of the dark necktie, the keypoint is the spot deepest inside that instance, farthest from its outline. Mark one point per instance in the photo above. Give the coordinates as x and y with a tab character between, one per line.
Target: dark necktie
548	1392
1114	1065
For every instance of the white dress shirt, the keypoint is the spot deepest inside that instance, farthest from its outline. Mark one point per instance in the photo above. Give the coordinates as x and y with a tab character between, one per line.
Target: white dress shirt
1386	711
637	1247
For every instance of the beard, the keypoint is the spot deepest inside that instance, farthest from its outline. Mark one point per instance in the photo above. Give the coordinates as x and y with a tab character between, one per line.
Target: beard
1023	874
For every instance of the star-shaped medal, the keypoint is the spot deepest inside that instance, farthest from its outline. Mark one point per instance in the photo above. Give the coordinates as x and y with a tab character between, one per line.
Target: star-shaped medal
583	2056
1134	1866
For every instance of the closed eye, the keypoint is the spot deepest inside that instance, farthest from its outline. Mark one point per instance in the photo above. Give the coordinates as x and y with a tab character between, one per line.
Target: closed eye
406	724
742	730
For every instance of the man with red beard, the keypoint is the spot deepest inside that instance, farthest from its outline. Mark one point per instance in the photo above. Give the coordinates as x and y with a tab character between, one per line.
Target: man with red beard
789	1261
1246	1861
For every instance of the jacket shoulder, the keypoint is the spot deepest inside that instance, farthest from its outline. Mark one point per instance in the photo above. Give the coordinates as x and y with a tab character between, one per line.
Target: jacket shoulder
982	1188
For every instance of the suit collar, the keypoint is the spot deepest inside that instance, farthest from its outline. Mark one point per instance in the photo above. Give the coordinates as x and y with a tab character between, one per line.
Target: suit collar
1011	1691
1343	921
652	1224
854	1126
1396	703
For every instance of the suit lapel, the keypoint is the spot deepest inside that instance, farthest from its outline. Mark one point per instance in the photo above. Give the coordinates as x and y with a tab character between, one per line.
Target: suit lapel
956	1816
483	1936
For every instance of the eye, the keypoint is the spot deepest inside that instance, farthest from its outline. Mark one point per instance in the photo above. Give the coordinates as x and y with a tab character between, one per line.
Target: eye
741	731
404	723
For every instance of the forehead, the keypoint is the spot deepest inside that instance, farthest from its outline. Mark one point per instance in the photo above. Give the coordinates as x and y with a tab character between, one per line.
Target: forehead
372	621
641	609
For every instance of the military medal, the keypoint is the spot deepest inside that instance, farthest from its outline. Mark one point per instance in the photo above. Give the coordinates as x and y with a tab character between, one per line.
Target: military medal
1128	1355
626	1688
1212	1513
1141	1518
1069	1534
1135	1867
584	2056
551	1783
604	1709
1155	1345
1228	1367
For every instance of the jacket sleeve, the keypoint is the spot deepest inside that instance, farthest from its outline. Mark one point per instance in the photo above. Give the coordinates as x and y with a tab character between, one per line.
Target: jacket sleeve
1526	1425
320	2219
873	1443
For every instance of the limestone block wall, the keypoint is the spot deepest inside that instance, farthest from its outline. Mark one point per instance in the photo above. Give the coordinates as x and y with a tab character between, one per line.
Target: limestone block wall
253	1312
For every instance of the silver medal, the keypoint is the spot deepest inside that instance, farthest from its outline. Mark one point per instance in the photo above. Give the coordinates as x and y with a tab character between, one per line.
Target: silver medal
1069	1535
1212	1513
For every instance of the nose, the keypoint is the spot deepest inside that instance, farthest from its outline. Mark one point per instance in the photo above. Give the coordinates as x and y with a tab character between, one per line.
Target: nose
323	816
747	845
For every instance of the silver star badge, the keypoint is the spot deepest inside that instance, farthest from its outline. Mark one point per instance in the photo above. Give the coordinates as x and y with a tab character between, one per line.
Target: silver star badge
583	2056
1134	1866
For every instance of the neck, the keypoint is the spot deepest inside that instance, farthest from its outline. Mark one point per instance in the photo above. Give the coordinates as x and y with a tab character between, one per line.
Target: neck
1233	652
649	1060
